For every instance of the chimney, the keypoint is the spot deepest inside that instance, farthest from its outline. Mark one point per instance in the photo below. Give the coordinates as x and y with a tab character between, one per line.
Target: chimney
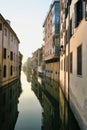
8	21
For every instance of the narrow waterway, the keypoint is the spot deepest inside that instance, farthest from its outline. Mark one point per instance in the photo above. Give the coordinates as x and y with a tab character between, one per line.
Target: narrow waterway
35	105
42	108
29	108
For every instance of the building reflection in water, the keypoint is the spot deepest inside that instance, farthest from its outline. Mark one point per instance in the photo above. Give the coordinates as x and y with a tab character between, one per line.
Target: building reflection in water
56	113
9	105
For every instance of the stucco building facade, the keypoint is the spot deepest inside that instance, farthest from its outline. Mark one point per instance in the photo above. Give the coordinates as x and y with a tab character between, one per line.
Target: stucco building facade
9	53
51	41
73	65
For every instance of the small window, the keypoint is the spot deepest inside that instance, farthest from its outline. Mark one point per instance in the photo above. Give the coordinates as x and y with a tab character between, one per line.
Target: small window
0	26
11	55
71	28
4	71
85	12
78	12
79	60
4	53
11	70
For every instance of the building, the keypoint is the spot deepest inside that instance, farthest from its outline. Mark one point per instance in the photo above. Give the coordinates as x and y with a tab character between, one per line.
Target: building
41	63
51	40
35	61
73	65
9	53
20	63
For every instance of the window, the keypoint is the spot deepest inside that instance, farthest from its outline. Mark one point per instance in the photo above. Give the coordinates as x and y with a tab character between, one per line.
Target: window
0	26
79	60
4	71
4	53
70	27
66	12
11	70
69	2
85	12
71	62
11	55
78	12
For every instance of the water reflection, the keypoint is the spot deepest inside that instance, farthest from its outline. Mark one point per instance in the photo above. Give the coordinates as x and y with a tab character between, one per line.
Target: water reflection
9	105
42	108
29	108
56	114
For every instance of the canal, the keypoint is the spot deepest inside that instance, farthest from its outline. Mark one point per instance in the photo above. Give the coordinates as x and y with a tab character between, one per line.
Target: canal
36	104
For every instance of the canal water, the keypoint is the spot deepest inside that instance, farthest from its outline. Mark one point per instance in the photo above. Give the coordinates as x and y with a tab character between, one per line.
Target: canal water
29	108
35	104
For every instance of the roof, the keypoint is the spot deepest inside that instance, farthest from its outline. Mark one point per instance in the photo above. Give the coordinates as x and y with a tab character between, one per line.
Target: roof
8	25
51	6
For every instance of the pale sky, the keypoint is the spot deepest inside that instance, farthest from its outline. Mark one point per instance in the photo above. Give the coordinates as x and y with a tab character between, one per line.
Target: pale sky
27	17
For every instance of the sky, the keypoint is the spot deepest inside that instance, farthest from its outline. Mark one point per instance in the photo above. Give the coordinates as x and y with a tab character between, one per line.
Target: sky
27	18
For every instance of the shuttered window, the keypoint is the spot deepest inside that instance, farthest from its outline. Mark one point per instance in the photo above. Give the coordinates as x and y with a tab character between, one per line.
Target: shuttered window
78	11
